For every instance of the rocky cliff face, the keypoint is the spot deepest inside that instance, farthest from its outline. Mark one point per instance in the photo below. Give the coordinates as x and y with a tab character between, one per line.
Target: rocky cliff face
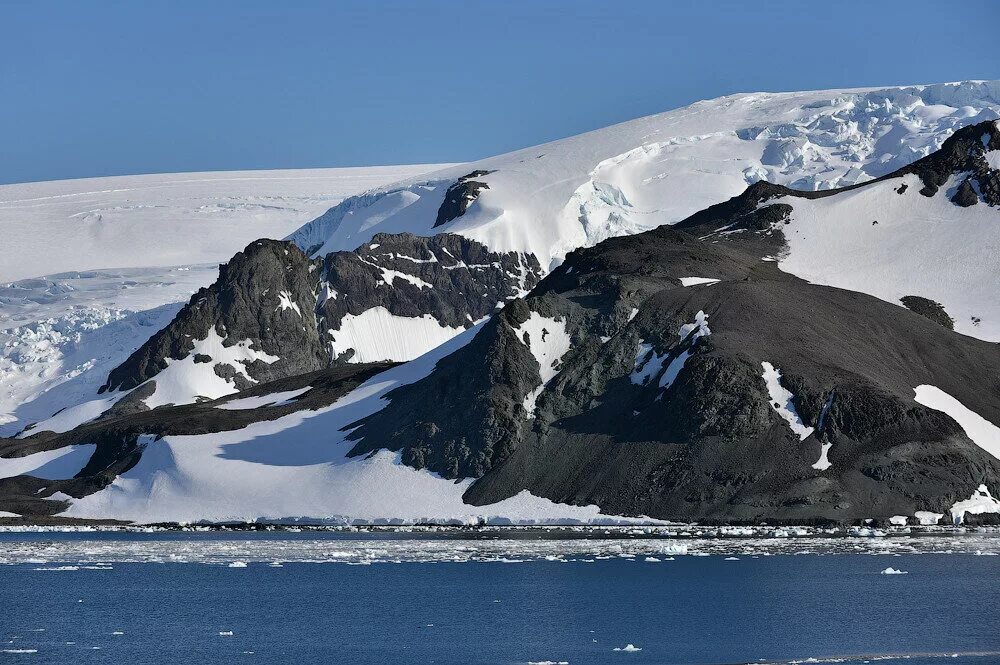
274	312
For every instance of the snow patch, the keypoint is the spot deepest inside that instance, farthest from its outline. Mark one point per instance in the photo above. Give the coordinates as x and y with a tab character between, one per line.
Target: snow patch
993	159
71	417
285	302
548	342
983	433
695	281
376	334
781	402
182	381
259	401
55	464
823	463
832	241
649	363
980	502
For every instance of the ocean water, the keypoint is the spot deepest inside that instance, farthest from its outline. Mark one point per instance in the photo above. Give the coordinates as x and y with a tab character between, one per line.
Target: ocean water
175	599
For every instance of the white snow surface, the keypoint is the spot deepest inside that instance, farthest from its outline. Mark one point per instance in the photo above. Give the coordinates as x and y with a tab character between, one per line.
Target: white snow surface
247	474
696	281
183	381
824	462
151	220
72	416
781	402
623	179
62	332
983	433
921	246
272	399
980	502
548	342
50	464
376	334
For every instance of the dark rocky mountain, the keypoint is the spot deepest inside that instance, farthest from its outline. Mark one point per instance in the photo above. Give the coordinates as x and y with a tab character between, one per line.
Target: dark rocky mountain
292	307
618	424
677	374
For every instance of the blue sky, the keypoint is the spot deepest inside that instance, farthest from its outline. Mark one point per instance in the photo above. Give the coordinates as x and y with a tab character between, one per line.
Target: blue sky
106	88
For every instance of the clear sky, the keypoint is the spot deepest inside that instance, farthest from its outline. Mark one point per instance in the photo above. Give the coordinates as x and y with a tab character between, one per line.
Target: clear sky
107	88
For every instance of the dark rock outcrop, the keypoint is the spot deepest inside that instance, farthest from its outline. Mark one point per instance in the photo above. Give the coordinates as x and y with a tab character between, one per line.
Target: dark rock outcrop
288	306
930	309
266	294
460	196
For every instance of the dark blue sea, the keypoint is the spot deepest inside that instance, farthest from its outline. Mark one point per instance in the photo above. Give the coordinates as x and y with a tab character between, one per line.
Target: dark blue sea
681	609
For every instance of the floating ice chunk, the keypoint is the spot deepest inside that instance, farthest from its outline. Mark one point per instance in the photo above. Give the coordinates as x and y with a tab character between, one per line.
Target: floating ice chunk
238	564
695	281
548	662
226	633
979	503
892	571
927	518
59	569
781	402
651	559
118	632
898	520
983	433
630	648
285	302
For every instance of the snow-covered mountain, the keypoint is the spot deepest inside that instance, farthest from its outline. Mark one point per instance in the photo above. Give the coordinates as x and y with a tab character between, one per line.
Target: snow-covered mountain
74	312
803	353
635	176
